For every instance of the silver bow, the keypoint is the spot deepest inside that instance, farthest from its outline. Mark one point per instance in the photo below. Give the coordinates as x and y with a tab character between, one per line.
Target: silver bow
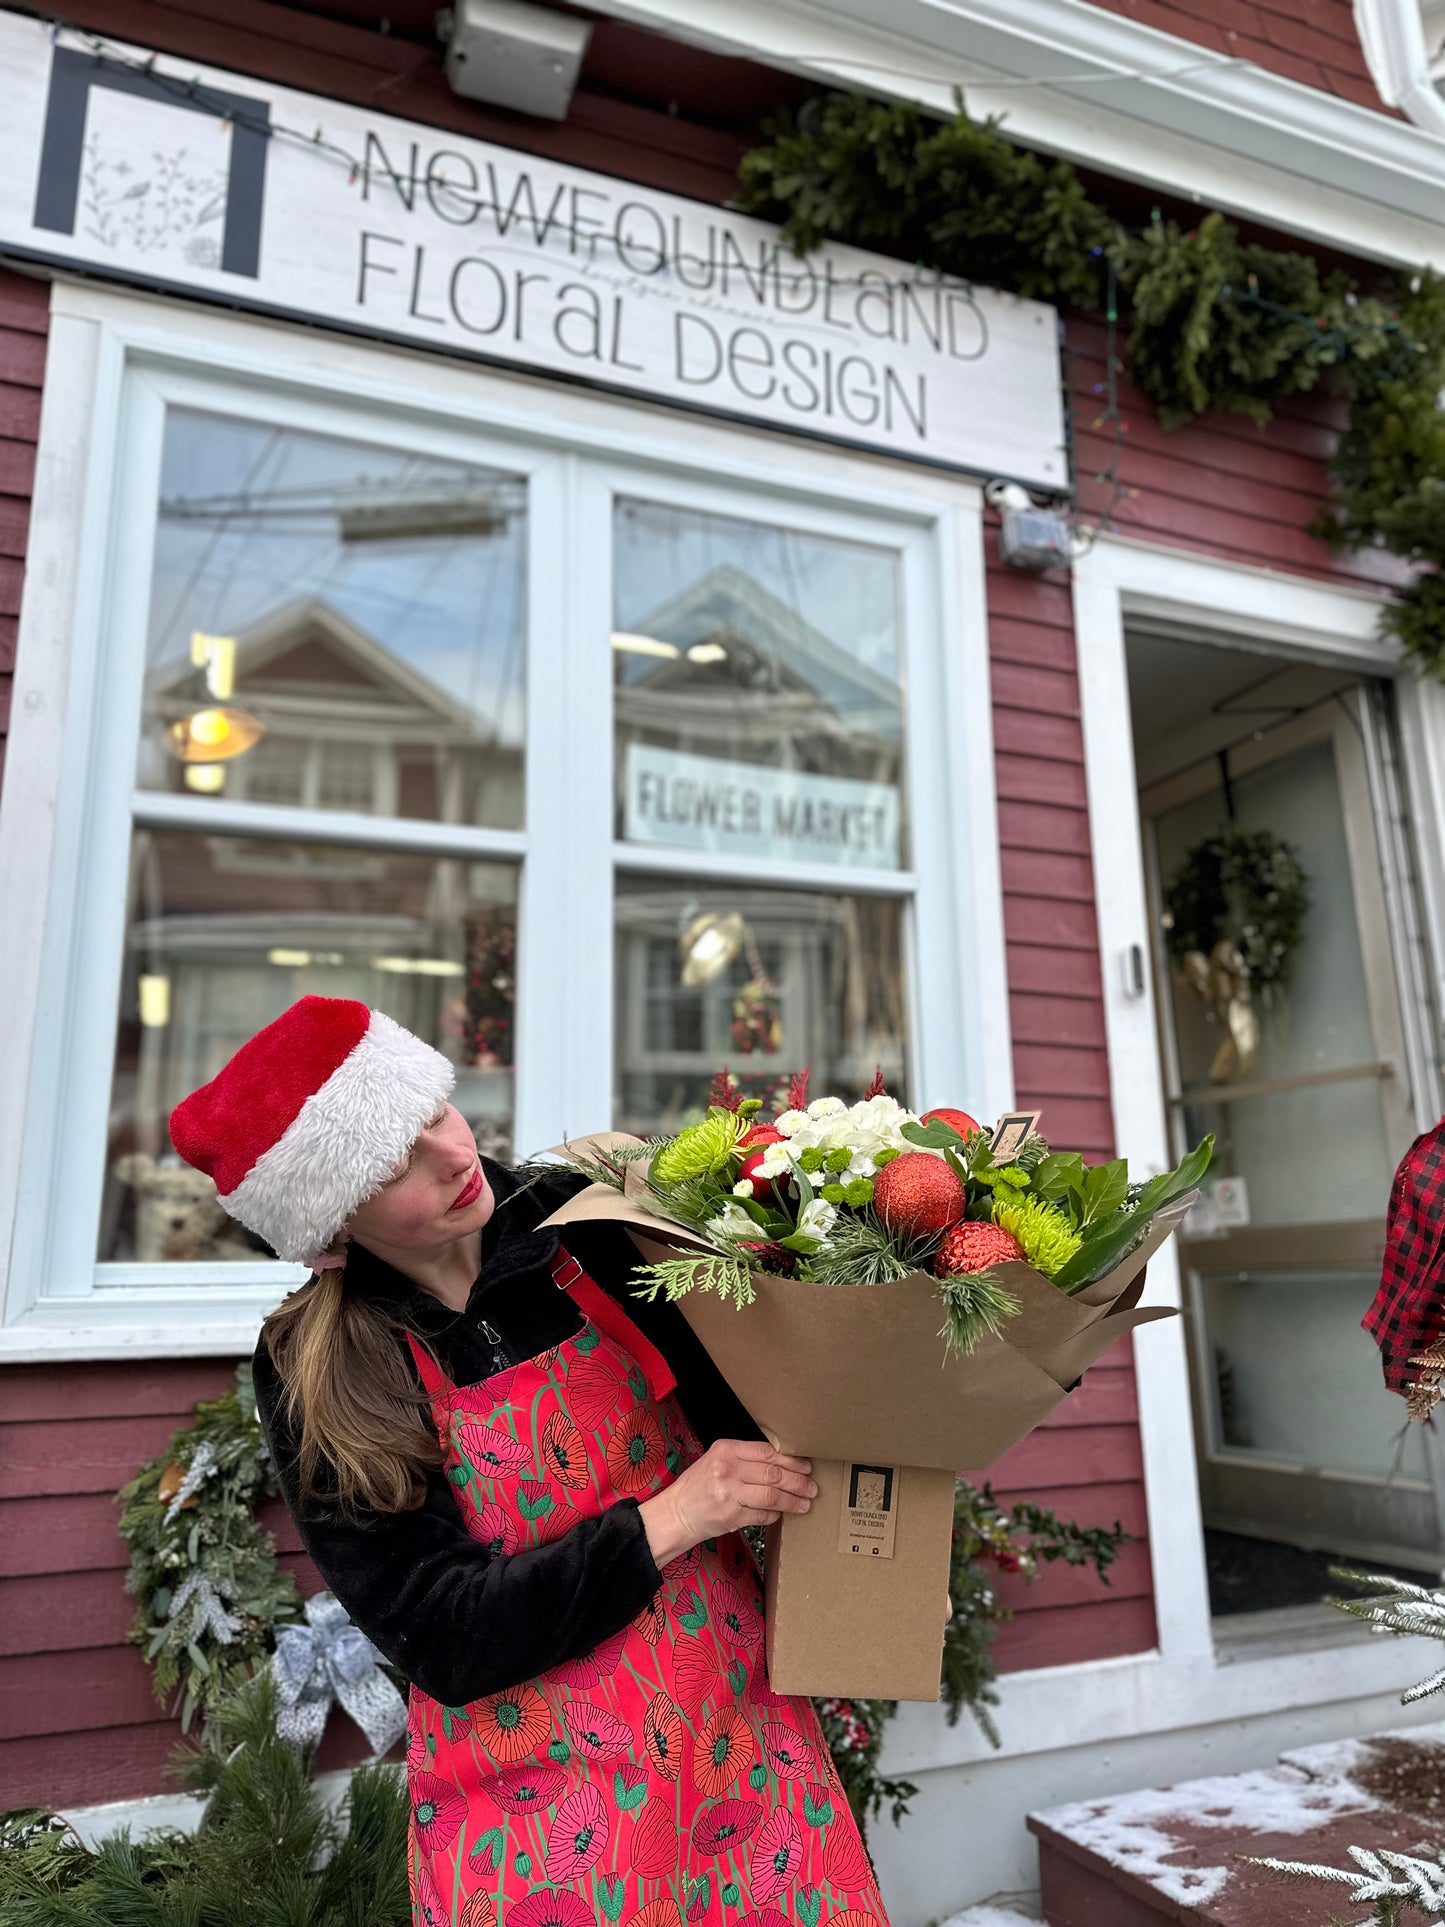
330	1659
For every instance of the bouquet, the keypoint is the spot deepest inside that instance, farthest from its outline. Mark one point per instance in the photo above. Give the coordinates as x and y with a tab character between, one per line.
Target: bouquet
869	1193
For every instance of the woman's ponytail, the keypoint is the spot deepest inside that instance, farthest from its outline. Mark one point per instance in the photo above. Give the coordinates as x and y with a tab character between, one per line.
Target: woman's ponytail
364	1425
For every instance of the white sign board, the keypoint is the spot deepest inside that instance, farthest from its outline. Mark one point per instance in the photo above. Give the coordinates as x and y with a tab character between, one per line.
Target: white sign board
151	170
749	810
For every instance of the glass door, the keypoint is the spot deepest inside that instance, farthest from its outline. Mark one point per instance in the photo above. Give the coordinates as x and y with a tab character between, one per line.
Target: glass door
1307	1070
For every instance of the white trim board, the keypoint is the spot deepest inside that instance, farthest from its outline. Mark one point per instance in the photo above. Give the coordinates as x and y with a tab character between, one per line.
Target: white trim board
1216	130
116	359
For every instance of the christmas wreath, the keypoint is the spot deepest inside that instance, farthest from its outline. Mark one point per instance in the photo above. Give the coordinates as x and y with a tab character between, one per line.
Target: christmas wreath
1244	887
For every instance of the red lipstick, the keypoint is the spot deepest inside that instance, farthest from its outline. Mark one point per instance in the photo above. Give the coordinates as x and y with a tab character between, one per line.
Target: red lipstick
469	1192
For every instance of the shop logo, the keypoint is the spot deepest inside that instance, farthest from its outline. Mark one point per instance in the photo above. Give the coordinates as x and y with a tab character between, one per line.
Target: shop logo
122	203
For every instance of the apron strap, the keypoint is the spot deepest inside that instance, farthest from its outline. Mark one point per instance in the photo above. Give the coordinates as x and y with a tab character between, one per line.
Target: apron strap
609	1317
430	1375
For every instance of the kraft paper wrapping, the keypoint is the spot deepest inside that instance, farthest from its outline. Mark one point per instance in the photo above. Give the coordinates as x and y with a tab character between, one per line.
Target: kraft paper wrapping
863	1372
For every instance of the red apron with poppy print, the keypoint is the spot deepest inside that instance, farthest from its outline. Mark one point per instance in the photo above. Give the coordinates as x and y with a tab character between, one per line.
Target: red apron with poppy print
657	1779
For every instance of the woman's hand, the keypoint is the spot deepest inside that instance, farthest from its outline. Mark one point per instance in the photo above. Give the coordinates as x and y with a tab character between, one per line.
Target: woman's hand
737	1482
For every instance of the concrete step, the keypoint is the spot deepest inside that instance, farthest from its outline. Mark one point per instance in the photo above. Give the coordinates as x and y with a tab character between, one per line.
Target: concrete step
1174	1853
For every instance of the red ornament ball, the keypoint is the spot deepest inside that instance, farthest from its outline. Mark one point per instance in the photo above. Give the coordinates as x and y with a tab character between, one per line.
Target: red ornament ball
759	1134
918	1194
974	1247
960	1120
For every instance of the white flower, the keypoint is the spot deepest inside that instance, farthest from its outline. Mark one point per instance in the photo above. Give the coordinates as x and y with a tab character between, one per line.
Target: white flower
775	1162
826	1107
790	1121
743	1189
817	1219
732	1222
879	1113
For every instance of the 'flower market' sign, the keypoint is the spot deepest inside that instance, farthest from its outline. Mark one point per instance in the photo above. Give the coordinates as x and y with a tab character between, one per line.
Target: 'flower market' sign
150	170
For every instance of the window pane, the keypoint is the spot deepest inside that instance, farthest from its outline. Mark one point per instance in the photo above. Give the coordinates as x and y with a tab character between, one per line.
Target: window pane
759	694
225	932
765	982
335	626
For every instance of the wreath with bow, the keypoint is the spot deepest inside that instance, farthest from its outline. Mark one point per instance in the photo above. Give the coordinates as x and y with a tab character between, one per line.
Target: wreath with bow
1234	915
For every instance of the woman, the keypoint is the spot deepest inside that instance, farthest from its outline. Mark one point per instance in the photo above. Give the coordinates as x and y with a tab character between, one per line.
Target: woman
526	1487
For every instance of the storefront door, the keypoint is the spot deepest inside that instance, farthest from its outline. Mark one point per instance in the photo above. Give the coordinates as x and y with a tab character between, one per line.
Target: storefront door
1279	777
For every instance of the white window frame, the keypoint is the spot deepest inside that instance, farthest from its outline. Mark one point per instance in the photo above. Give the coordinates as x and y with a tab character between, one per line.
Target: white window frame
114	361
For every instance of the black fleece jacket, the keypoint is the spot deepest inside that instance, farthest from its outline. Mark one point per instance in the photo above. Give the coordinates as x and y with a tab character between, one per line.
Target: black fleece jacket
456	1619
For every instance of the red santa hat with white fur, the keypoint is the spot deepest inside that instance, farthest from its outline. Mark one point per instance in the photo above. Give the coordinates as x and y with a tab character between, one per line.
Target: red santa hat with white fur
309	1119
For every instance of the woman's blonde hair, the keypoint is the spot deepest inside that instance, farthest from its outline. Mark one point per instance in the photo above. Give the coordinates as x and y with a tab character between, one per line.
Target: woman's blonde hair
364	1425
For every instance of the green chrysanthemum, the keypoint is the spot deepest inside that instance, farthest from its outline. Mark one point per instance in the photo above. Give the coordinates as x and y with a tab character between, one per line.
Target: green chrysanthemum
1047	1237
699	1151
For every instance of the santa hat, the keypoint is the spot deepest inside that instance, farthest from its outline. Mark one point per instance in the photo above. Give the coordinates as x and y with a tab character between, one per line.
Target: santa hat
309	1119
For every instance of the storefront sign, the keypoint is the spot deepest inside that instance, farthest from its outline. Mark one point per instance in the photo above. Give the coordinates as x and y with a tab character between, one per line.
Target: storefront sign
704	803
151	170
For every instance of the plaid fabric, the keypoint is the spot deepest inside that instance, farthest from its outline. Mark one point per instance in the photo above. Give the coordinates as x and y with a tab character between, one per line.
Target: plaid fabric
1408	1313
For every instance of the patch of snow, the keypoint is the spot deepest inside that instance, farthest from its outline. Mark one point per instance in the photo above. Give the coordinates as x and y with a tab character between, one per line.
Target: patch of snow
1337	1759
990	1916
1131	1830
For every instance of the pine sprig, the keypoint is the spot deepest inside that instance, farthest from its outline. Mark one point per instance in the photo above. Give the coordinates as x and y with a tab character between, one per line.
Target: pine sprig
976	1306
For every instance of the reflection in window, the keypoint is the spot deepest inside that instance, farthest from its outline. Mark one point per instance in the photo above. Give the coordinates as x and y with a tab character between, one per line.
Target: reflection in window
759	697
765	982
334	626
224	933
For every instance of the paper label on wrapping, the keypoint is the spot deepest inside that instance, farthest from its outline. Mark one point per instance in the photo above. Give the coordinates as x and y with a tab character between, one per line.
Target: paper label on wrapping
870	1509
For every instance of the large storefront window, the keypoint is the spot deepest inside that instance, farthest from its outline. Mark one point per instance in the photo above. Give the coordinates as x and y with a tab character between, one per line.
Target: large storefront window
603	762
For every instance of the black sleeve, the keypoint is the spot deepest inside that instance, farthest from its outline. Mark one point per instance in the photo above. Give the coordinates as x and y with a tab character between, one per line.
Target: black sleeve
713	1408
454	1618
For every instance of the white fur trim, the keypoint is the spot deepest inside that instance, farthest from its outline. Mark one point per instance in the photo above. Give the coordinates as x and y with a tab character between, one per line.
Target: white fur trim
344	1142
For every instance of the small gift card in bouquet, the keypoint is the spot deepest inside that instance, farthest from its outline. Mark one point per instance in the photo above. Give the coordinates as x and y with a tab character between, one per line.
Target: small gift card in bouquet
899	1298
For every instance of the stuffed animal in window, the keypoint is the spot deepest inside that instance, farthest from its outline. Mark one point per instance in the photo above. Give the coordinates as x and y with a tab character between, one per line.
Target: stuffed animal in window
178	1217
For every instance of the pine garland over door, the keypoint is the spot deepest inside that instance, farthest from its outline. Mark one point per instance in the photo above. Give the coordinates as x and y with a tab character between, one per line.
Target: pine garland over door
1214	323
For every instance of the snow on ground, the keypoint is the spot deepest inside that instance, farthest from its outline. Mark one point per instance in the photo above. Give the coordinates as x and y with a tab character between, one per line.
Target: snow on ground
1132	1830
990	1916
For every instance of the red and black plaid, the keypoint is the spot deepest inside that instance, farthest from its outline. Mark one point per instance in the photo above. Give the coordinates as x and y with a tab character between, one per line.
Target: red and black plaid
1408	1314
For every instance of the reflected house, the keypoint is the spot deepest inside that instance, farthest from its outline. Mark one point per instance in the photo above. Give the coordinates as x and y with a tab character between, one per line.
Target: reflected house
349	725
723	674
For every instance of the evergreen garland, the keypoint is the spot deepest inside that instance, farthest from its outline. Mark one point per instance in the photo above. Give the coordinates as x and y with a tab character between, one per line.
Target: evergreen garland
202	1571
1216	324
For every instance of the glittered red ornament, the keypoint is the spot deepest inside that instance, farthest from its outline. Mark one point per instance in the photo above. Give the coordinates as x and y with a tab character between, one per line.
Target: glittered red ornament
918	1194
960	1120
974	1247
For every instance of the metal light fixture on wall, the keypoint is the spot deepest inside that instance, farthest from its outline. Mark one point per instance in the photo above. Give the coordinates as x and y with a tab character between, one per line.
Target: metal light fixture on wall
214	735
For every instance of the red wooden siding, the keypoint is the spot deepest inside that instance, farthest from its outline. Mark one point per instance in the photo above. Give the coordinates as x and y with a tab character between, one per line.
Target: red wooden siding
1311	41
78	1720
24	309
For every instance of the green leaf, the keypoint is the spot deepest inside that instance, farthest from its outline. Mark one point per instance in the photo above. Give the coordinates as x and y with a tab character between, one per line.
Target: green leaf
809	1904
1105	1243
627	1797
936	1135
198	1658
817	1813
610	1893
1106	1186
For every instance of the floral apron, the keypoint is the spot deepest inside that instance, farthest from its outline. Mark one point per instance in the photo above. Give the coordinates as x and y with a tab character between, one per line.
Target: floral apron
658	1778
